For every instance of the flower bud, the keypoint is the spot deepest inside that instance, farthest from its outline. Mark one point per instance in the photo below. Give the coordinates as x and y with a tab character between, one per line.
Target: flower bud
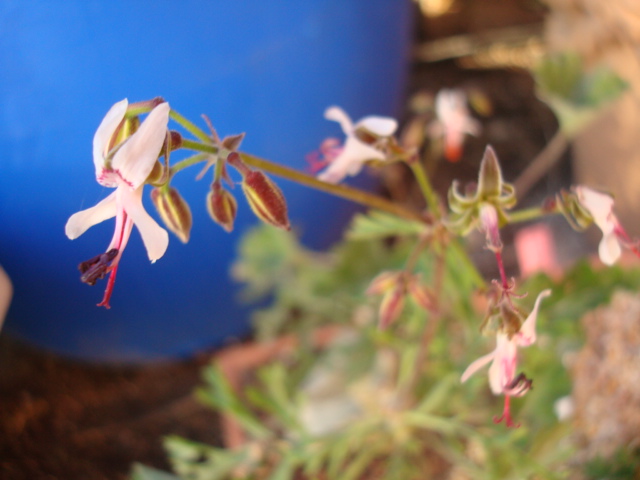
159	174
420	293
265	199
222	206
175	139
384	282
391	306
174	211
490	177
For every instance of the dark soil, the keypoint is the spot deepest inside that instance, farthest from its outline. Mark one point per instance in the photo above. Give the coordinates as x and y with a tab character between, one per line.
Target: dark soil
65	420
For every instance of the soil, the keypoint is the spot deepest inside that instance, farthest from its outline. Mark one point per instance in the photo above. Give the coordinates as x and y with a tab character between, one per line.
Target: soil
60	419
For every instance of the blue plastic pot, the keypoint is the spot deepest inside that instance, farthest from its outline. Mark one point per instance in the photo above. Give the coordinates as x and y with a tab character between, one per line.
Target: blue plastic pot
266	68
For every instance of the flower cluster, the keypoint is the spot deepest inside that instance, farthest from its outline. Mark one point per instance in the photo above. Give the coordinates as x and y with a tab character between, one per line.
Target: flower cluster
503	379
126	154
123	157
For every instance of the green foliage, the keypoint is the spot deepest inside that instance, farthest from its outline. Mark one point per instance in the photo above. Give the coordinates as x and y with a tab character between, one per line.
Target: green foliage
368	405
576	95
142	472
381	225
623	465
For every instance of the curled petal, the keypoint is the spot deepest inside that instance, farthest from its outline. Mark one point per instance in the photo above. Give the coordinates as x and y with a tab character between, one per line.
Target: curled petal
154	237
349	162
381	126
477	365
105	131
599	205
79	222
609	249
527	334
135	159
458	202
338	115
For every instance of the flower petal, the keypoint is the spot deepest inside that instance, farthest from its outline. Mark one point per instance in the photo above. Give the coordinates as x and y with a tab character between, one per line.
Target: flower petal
477	365
609	249
503	368
349	162
599	205
154	237
137	156
79	222
381	126
105	131
527	334
338	115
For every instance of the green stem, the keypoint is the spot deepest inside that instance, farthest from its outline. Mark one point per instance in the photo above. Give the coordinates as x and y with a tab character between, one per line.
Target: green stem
190	127
342	191
527	214
425	187
414	256
187	162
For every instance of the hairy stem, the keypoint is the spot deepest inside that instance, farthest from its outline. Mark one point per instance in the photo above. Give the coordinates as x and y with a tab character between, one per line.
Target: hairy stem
426	188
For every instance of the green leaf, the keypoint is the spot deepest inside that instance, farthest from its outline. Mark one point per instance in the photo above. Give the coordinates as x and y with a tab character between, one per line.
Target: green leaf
219	394
376	224
575	94
438	395
142	472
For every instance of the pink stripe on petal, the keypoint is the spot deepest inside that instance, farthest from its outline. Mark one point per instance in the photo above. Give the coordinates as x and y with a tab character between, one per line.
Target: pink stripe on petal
136	157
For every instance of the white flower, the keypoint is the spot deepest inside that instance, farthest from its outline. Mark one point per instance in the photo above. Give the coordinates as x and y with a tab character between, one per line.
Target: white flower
600	207
125	170
453	121
502	372
355	152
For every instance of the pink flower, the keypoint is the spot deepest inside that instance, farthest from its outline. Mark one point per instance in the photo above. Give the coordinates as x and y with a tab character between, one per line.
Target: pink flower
453	122
355	151
600	207
502	372
125	167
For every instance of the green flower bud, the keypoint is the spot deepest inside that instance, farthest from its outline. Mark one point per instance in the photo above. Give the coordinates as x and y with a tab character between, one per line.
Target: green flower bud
222	206
174	211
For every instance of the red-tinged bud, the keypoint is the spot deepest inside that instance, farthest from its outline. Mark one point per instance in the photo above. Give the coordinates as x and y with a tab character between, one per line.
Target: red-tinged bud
383	283
176	140
173	210
420	294
222	206
391	306
266	199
